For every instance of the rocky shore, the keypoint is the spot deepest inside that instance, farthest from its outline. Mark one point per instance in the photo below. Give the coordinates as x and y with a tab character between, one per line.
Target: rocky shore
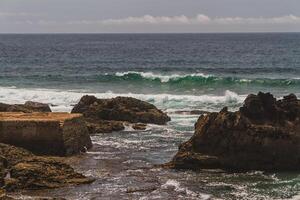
30	133
263	135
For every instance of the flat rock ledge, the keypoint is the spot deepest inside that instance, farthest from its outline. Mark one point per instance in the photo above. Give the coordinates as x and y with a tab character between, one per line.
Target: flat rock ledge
22	170
263	135
108	115
59	134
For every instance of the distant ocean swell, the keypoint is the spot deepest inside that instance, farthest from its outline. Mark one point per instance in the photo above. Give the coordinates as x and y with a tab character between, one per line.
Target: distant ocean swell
180	80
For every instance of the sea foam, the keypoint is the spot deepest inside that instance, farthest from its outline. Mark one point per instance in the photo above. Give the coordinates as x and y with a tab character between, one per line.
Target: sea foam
61	100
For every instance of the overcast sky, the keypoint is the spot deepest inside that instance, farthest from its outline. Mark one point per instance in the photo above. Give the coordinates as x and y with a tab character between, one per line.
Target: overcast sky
115	16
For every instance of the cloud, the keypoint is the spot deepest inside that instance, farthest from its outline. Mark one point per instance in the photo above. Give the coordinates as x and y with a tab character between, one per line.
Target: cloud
200	19
17	14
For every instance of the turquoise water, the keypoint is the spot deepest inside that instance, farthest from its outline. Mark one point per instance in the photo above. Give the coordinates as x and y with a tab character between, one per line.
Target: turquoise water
176	72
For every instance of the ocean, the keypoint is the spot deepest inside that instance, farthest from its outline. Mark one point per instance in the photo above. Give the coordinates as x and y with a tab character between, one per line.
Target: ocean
175	72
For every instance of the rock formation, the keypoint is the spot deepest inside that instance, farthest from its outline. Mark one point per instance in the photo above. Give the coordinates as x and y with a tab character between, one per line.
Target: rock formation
45	133
263	135
20	169
106	115
28	107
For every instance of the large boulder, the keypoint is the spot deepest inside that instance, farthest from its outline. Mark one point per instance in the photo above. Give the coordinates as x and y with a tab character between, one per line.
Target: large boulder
24	170
28	107
263	135
60	134
112	112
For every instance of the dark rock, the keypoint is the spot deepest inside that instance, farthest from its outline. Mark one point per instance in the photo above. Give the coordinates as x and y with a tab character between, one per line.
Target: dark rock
139	126
191	112
27	171
104	126
99	111
28	107
263	135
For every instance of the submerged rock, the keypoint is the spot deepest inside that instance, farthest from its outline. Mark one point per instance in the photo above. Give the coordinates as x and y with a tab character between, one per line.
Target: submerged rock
24	170
263	135
110	113
28	107
45	133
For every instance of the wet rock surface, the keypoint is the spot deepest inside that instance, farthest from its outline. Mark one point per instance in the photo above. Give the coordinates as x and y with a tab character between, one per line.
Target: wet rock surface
24	170
28	107
107	115
263	135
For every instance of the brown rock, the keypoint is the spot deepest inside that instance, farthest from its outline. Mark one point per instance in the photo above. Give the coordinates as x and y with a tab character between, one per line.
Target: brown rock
139	126
42	173
27	171
45	133
99	111
28	107
104	126
263	135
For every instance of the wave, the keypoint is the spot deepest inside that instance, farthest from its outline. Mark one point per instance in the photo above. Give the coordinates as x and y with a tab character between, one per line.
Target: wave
204	79
160	77
176	80
62	100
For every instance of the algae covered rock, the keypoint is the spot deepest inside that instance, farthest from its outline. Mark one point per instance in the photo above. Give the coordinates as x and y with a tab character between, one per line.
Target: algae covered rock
263	135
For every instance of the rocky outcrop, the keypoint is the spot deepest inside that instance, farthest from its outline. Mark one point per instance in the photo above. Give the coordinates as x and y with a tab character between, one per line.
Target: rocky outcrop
24	170
110	113
263	135
58	134
28	107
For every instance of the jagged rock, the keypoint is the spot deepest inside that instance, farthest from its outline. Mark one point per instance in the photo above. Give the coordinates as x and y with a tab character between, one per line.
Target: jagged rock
263	135
24	170
100	111
28	107
45	133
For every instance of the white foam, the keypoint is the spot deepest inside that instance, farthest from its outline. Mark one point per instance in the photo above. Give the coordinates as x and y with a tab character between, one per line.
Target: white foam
65	100
175	185
161	77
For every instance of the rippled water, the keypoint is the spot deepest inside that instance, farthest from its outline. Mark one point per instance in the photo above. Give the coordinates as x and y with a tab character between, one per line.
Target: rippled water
123	165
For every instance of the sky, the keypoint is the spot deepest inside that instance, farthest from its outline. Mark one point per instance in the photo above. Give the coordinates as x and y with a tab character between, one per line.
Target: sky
148	16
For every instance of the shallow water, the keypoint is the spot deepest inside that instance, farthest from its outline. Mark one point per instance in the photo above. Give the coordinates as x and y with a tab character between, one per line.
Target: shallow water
123	165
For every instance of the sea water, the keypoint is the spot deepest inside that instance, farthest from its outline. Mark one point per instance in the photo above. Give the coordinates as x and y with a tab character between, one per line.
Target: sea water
175	72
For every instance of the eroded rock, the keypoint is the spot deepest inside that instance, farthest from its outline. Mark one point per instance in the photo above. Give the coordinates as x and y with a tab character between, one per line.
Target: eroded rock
28	107
111	113
263	135
24	170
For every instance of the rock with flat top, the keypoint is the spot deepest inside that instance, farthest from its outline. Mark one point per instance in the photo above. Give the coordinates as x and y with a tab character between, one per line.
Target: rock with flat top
58	134
263	135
